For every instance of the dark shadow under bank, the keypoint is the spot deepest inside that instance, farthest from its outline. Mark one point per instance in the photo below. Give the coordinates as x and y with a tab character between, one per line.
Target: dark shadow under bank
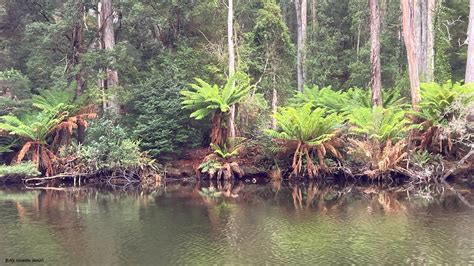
302	193
253	176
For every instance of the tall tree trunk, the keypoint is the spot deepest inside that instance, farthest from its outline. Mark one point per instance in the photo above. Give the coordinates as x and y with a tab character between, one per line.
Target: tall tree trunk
301	21
409	39
107	41
284	10
304	34
78	46
314	4
429	75
376	79
424	37
417	13
274	103
470	47
230	44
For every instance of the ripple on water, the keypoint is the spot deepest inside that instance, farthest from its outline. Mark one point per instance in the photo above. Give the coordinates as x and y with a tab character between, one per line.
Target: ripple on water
181	231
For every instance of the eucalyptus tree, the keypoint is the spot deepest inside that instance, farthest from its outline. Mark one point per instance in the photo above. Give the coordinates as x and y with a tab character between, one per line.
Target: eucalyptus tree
107	42
470	50
409	39
376	75
301	21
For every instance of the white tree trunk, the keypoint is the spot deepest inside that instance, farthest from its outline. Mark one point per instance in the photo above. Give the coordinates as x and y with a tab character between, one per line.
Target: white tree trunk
301	21
376	78
304	34
106	28
470	47
274	103
429	75
230	44
409	39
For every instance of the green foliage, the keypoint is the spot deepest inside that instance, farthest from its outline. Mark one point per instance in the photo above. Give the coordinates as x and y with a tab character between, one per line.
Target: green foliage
21	169
267	52
229	149
206	98
50	99
345	101
211	192
379	123
154	110
111	151
442	67
253	115
18	84
210	167
10	106
6	144
32	127
437	100
305	124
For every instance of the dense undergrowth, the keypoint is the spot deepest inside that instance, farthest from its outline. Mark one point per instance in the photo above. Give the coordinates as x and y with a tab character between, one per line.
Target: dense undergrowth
320	132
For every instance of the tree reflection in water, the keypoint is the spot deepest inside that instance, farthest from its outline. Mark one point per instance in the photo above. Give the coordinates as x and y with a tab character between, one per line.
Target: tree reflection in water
69	223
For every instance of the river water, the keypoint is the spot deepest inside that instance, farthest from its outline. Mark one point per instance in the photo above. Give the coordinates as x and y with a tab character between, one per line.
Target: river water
245	224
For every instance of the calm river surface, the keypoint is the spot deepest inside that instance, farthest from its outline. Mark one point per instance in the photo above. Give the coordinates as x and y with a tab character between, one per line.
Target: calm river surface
247	224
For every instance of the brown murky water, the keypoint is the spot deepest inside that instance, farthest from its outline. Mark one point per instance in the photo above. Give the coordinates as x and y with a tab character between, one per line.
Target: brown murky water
247	224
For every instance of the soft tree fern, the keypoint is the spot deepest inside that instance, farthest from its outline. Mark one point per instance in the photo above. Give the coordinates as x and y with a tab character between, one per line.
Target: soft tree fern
311	130
211	99
33	131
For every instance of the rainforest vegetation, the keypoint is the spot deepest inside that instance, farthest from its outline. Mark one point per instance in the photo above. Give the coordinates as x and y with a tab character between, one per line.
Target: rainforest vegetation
122	89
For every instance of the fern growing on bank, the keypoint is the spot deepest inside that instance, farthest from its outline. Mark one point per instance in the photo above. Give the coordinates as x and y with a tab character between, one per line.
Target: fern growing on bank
211	99
378	141
311	131
221	163
440	105
40	134
22	169
379	123
437	99
344	101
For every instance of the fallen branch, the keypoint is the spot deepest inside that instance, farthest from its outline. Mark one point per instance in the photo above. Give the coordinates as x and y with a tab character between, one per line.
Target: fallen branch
56	177
458	164
458	194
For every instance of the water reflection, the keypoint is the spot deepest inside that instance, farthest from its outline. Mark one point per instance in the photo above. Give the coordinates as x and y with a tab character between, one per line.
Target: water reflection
243	223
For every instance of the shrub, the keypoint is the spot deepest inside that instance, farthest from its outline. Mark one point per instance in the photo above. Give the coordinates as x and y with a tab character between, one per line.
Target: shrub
10	106
18	84
379	123
156	117
111	151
